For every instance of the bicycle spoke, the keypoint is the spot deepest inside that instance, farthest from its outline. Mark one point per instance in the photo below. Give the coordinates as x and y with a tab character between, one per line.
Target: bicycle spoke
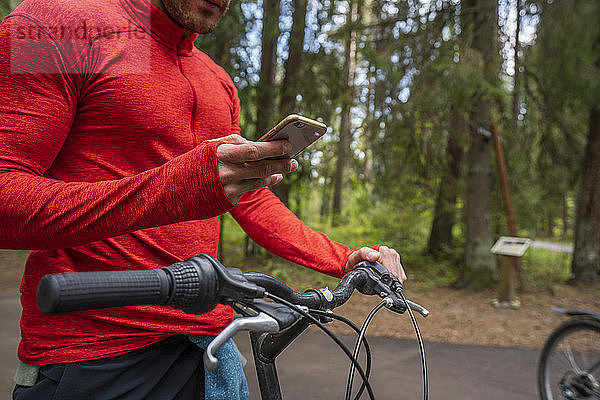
569	356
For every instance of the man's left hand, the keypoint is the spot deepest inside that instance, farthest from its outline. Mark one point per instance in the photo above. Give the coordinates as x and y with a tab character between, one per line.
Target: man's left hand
389	258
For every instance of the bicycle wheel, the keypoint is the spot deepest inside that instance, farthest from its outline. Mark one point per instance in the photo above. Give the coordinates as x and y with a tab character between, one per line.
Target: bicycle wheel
569	366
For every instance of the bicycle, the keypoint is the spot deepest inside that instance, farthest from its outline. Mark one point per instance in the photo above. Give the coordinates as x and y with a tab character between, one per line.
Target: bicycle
199	283
569	365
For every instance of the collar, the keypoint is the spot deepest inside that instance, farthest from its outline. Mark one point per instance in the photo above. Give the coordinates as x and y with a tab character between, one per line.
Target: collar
160	26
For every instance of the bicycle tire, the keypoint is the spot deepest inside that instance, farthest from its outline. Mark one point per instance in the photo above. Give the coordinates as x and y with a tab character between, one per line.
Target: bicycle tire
558	351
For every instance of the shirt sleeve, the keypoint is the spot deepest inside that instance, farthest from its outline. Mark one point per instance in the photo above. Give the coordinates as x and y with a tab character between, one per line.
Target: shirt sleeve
39	89
273	226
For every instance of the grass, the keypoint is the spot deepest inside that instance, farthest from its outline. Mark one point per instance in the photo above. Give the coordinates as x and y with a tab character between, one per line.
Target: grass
543	268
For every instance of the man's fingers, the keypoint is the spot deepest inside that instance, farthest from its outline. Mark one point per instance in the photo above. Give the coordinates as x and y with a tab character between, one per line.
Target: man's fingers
244	165
391	260
367	253
248	185
261	169
364	253
257	170
252	151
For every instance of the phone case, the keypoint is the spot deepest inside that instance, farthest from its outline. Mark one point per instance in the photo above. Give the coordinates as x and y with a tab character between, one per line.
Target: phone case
299	130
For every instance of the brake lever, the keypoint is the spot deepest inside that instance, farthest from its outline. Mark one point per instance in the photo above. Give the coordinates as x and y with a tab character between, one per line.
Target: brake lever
402	308
259	323
418	308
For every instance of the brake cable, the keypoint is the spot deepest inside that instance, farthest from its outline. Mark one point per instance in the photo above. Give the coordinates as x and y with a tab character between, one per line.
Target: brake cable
330	334
421	345
361	335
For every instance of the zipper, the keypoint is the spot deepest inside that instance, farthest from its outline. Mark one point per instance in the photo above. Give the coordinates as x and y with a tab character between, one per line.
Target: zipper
194	94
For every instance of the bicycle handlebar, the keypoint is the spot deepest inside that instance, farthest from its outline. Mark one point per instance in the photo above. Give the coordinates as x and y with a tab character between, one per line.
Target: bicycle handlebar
199	283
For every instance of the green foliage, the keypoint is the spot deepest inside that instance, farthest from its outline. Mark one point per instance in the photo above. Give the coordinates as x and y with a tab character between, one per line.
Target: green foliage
406	232
543	268
433	272
416	77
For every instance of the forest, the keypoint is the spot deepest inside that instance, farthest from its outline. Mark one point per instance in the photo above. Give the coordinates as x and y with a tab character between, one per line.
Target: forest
413	92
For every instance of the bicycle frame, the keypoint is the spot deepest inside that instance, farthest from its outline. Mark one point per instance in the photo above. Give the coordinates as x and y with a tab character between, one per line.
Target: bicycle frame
265	349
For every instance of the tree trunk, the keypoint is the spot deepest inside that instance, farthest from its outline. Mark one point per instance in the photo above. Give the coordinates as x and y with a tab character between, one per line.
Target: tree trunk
586	255
268	66
291	81
343	147
293	65
516	106
325	200
440	237
565	217
480	263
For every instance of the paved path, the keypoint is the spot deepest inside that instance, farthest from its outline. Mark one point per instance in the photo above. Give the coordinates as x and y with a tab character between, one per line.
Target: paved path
313	368
10	311
555	247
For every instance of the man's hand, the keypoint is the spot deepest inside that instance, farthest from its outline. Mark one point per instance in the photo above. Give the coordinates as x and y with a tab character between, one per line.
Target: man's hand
389	258
243	168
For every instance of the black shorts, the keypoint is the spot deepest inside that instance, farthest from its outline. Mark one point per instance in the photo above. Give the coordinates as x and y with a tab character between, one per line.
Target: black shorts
170	369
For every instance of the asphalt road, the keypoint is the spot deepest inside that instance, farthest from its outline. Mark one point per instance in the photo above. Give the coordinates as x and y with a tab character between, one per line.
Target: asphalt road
313	367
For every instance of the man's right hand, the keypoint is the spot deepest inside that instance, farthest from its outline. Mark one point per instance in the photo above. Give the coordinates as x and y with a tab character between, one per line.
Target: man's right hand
243	168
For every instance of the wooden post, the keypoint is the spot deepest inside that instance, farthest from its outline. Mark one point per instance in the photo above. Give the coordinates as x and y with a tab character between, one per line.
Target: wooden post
506	289
510	216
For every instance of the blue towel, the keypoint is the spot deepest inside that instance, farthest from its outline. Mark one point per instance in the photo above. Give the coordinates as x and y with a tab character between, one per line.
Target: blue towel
227	381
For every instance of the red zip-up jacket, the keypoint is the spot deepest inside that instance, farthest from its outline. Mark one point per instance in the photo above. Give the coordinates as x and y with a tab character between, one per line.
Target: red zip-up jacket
106	110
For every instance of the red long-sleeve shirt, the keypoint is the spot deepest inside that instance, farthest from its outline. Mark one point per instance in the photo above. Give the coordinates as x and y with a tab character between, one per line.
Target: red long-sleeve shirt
106	110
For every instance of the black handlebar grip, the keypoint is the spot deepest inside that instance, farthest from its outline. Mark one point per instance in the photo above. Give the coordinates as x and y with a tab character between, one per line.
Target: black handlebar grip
80	291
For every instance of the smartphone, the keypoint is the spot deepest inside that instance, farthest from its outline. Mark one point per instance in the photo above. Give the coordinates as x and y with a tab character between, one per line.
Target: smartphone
299	130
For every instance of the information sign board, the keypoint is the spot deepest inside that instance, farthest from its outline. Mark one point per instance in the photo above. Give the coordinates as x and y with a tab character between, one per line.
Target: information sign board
511	246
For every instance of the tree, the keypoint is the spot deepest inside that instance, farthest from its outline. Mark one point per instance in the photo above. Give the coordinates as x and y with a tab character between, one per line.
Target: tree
586	256
265	91
479	18
569	89
345	132
265	101
440	238
291	81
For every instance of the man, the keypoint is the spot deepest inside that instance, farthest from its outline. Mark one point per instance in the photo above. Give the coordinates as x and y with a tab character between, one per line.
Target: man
119	146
